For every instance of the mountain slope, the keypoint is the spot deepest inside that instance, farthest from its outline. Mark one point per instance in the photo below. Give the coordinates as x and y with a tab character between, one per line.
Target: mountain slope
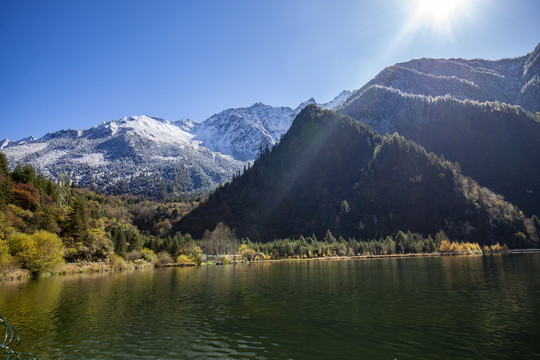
512	81
495	143
331	172
138	155
242	132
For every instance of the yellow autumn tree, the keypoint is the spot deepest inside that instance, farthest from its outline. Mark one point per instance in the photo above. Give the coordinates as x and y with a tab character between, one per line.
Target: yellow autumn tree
40	252
445	247
5	256
247	253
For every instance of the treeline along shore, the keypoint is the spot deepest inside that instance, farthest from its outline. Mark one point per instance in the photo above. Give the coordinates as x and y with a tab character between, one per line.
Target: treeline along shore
49	228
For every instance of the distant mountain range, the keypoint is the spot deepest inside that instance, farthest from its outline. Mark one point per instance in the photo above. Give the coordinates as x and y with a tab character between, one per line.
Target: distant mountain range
139	155
148	156
481	114
242	132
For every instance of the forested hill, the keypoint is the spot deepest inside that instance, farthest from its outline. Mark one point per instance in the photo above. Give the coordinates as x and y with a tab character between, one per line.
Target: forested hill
481	113
495	143
331	172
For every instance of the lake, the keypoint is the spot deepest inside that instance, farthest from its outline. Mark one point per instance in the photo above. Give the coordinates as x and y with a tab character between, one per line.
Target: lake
460	307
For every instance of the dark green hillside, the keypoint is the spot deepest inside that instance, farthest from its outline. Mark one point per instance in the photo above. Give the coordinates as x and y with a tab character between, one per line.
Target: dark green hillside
496	144
301	182
331	172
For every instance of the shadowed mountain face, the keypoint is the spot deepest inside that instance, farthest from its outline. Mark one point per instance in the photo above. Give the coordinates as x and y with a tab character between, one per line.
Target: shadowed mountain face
331	172
462	110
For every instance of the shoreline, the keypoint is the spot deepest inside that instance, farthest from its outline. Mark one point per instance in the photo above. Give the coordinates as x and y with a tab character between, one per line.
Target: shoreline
69	269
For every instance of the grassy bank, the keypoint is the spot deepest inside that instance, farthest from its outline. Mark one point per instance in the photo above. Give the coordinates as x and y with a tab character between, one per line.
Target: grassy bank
110	265
117	263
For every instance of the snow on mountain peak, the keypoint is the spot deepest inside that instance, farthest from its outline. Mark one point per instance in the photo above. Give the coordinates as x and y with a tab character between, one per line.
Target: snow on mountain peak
135	152
186	124
4	143
512	81
241	132
304	104
144	127
338	100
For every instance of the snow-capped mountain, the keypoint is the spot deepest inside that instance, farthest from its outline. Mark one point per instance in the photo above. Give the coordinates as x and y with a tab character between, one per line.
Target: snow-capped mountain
512	81
4	143
145	155
139	155
337	101
241	132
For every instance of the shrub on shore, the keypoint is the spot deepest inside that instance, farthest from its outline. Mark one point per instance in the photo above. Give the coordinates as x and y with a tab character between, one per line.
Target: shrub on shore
461	248
40	252
185	260
164	258
495	249
5	256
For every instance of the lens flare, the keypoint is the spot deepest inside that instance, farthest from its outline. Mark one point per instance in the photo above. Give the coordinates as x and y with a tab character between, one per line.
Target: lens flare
438	14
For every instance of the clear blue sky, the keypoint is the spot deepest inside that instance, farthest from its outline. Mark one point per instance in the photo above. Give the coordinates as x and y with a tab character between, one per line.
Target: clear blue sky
76	63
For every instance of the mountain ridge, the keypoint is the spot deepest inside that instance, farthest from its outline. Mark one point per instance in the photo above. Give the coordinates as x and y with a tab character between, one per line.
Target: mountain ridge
134	154
143	155
514	81
388	102
242	132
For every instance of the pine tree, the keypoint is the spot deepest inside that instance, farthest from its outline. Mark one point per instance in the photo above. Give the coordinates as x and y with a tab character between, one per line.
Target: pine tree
439	238
401	242
5	184
4	170
329	238
24	174
78	218
344	208
119	240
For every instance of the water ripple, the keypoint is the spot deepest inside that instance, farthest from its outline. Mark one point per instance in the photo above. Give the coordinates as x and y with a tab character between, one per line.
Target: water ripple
439	308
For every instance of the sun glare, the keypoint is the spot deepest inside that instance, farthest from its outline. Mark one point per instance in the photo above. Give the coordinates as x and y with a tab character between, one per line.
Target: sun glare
439	14
434	21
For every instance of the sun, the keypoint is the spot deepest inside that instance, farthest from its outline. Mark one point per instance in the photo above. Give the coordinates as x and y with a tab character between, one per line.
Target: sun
438	10
438	14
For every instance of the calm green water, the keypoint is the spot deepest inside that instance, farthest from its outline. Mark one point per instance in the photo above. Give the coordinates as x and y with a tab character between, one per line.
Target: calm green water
438	308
